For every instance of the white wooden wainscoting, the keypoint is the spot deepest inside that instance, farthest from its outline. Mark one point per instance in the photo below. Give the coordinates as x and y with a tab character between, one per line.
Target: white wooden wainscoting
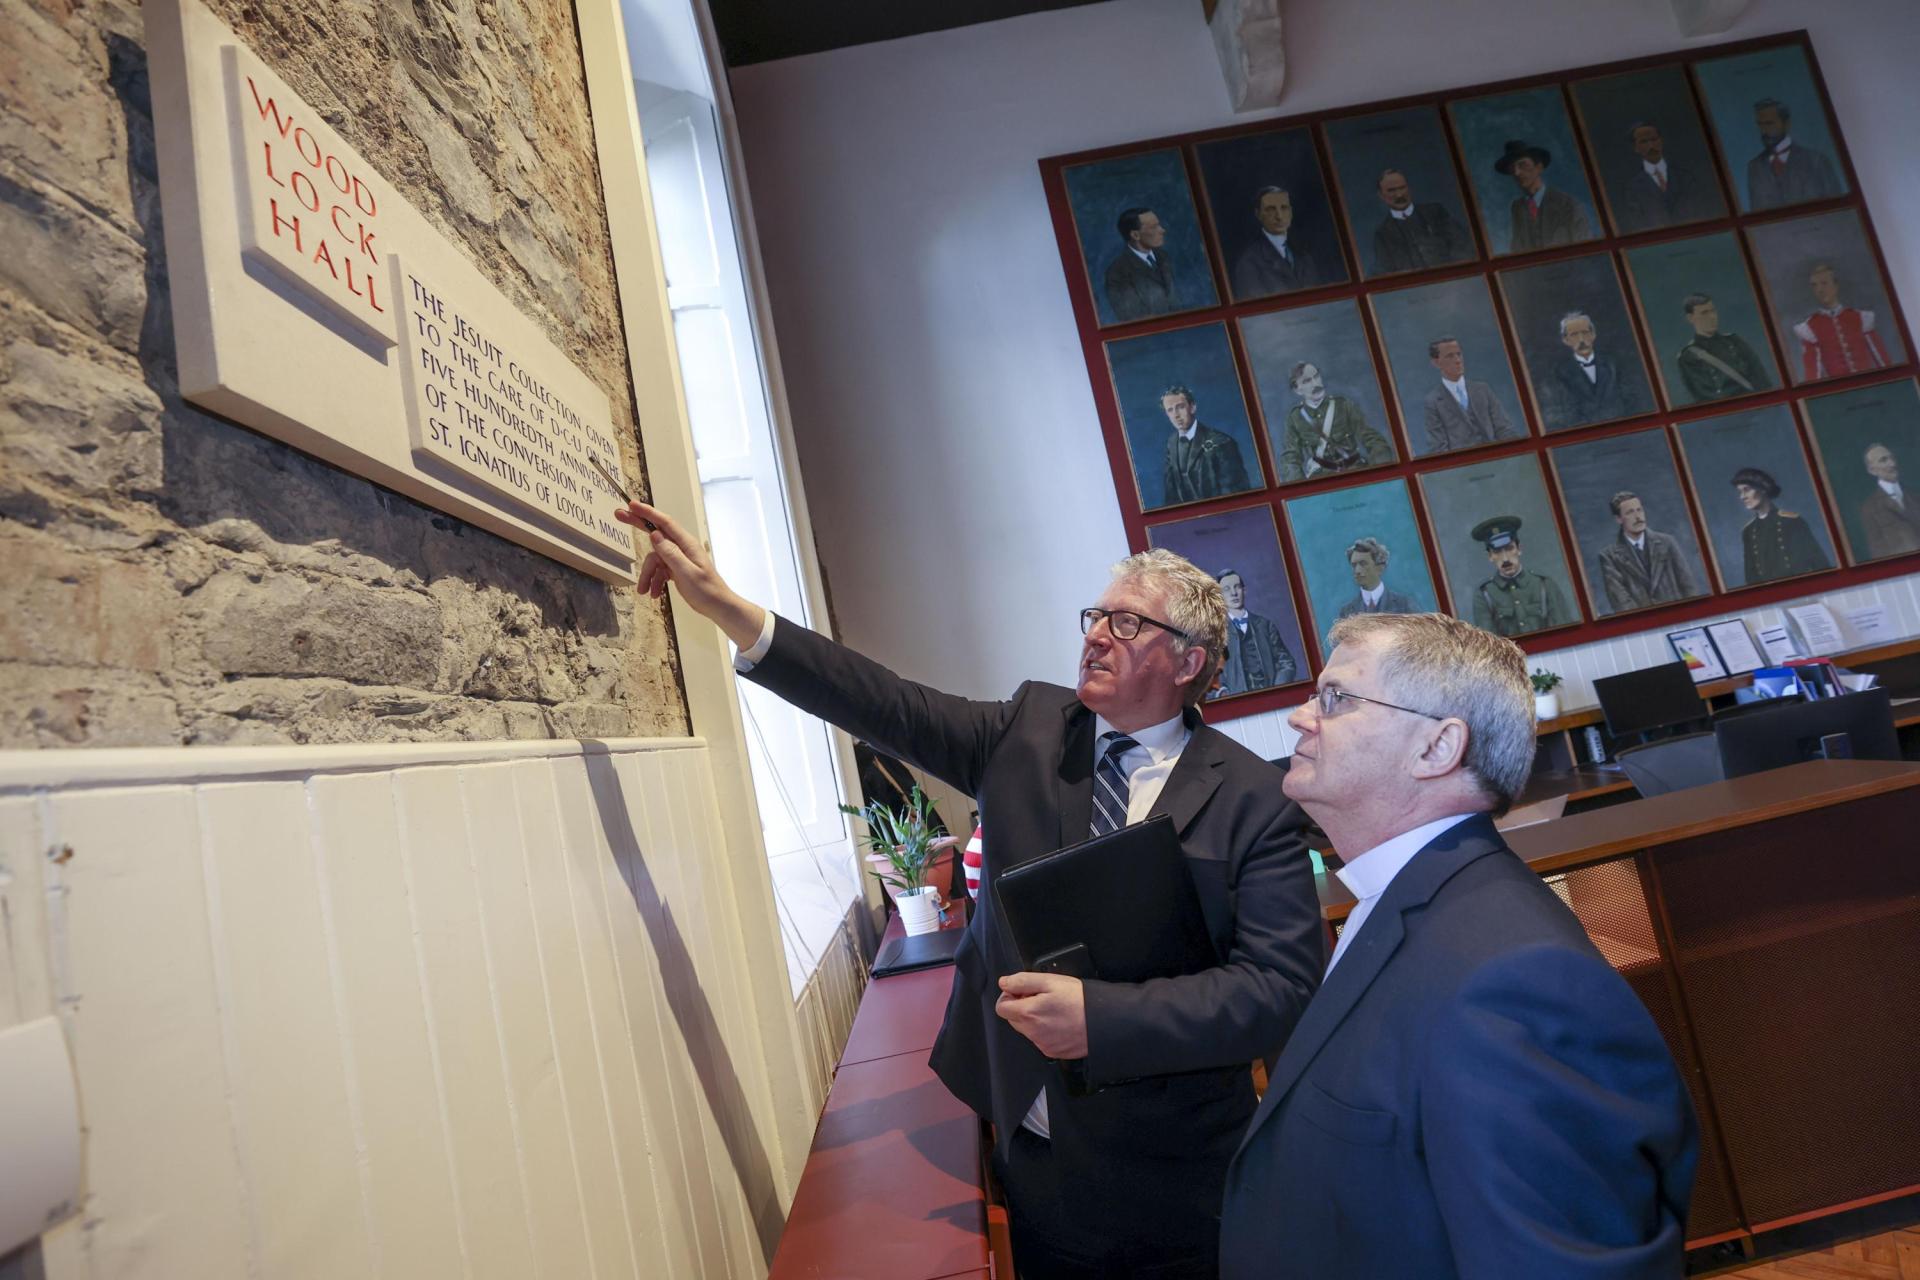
406	1011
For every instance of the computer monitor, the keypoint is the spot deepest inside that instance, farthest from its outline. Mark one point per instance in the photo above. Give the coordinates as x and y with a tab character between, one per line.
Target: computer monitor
1859	725
1648	699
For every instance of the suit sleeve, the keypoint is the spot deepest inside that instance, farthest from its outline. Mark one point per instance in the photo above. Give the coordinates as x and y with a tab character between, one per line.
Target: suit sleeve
1614	585
1237	1011
1559	1138
948	736
1436	429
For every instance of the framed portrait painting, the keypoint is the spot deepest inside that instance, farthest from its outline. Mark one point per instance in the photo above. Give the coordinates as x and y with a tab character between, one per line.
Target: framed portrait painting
1241	549
1756	496
1632	532
1702	318
1319	392
1780	149
1140	238
1577	345
1501	558
1271	214
1360	552
1645	135
1861	439
1829	303
1448	364
1525	170
1398	192
1187	432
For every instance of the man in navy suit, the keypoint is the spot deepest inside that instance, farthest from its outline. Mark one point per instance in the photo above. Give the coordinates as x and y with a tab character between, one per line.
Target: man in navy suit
1474	1091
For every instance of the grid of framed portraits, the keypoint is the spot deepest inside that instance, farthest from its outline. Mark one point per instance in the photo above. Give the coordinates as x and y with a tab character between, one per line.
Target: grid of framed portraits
1565	356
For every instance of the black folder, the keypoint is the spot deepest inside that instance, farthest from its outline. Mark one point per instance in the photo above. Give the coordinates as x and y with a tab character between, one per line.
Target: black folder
917	951
1119	907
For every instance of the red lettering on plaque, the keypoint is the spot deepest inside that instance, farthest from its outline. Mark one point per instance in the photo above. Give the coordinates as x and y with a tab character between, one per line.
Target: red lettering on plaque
311	196
325	255
362	189
269	107
337	174
292	224
271	175
300	132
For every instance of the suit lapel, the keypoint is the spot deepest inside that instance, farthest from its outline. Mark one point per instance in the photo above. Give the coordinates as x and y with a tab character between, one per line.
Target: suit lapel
1195	777
1367	955
1073	779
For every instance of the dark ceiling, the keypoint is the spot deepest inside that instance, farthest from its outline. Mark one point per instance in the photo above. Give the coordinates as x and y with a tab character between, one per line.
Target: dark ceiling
763	30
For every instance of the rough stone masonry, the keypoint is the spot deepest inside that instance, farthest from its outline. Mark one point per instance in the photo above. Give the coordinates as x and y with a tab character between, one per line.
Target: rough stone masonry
167	577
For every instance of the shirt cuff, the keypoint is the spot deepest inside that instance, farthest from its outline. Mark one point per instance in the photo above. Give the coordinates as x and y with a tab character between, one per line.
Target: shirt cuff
744	660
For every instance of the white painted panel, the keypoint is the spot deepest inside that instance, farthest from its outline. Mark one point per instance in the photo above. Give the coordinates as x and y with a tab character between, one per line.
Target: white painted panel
25	990
399	1126
592	809
536	1103
287	1070
463	1033
164	1181
640	990
574	1040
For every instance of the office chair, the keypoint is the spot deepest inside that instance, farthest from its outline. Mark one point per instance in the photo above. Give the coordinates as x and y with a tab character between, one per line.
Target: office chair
1673	764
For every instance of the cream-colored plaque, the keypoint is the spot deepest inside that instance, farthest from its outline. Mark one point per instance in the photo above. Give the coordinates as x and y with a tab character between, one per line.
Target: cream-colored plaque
312	302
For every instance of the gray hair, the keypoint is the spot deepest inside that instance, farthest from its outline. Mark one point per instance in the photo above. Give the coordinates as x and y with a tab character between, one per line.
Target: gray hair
1371	547
1433	663
1194	604
1571	316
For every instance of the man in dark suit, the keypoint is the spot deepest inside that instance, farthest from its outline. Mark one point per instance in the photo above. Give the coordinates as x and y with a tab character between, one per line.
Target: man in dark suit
1140	278
1642	567
1657	194
1893	522
1125	1180
1367	561
1474	1091
1785	171
1257	654
1201	462
1414	237
1587	385
1541	216
1272	263
1460	413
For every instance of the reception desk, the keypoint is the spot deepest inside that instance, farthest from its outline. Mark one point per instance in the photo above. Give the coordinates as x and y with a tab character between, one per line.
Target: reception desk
1771	925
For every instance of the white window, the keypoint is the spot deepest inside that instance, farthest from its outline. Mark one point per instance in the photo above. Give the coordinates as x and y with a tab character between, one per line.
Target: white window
749	515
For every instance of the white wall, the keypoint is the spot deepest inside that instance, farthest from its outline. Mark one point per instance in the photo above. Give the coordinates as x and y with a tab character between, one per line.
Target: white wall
952	456
476	1010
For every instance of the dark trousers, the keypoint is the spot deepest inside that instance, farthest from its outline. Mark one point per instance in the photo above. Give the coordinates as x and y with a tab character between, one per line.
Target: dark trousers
1103	1227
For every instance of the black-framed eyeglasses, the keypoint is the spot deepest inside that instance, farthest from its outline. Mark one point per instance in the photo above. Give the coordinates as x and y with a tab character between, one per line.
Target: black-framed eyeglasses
1125	624
1332	696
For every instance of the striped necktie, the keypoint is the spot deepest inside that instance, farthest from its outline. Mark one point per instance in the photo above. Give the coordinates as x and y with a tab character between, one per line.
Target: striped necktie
1110	784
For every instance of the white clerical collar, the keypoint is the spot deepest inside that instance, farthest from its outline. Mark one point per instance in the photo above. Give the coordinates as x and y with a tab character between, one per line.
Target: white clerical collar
1279	242
1656	170
1459	388
1373	597
1145	255
1187	435
1160	740
1890	487
1402	214
1368	875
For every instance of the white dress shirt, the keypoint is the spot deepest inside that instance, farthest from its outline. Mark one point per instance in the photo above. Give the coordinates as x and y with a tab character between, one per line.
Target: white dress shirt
1368	875
1279	243
1145	255
1401	215
1148	764
1459	389
1586	367
1892	489
1658	172
1370	596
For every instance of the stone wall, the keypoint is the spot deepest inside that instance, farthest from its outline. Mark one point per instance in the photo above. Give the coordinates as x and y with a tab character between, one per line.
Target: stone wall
170	577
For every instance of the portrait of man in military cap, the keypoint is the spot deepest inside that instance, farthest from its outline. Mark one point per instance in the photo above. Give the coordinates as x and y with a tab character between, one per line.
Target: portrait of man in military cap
1514	600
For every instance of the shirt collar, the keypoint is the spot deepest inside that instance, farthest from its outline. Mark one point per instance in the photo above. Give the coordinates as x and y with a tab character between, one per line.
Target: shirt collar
1161	740
1783	146
1188	434
1373	596
1890	487
1660	169
1277	241
1584	361
1458	388
1638	542
1540	194
1368	875
1145	255
1402	214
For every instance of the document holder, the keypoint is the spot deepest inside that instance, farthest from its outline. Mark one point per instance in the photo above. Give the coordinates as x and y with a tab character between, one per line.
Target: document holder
917	951
1119	907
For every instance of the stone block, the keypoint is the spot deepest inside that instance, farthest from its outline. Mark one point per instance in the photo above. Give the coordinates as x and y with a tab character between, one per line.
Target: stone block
58	606
76	707
294	625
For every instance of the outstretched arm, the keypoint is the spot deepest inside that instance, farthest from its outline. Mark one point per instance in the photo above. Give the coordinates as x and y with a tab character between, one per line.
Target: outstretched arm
678	557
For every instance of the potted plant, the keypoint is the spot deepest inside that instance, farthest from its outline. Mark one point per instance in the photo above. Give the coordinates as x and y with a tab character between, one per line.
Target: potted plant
902	849
1546	694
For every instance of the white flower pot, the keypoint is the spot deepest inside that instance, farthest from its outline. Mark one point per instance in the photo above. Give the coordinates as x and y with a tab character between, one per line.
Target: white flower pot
1546	706
919	909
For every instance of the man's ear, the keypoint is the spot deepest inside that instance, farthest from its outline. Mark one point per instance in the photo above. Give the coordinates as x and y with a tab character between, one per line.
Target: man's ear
1193	663
1445	750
